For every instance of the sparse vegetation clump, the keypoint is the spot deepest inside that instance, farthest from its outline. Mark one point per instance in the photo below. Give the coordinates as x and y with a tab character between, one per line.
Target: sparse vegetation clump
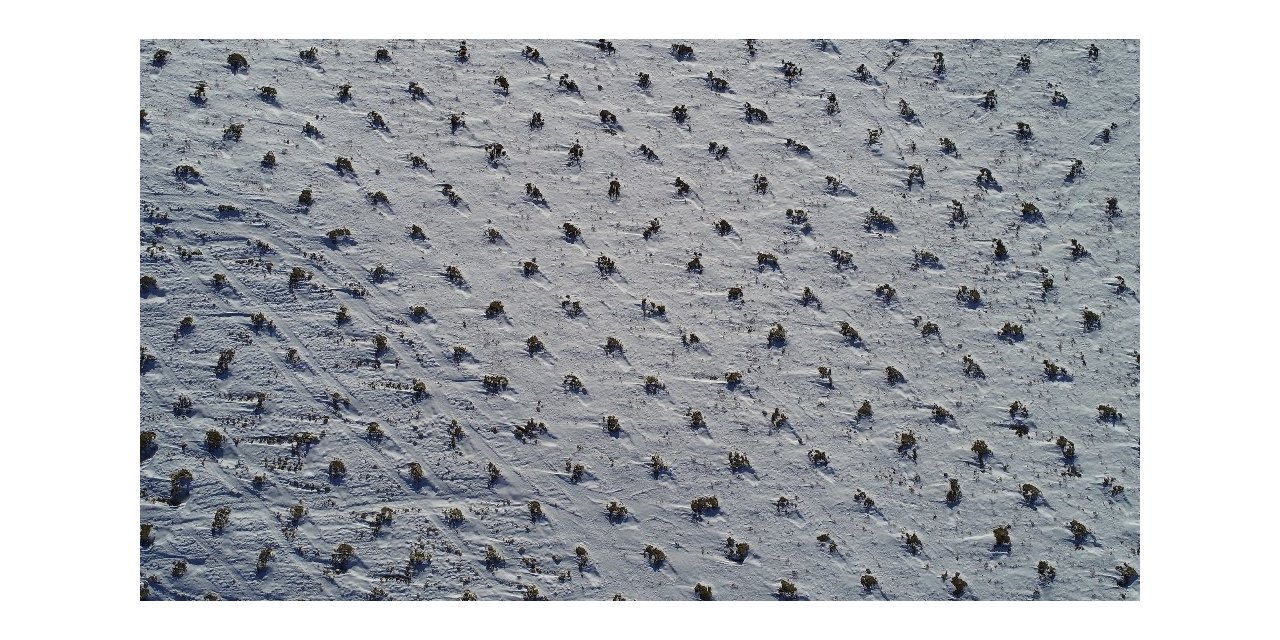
704	505
237	61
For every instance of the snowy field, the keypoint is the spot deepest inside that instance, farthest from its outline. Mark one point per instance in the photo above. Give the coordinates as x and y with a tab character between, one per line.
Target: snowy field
358	328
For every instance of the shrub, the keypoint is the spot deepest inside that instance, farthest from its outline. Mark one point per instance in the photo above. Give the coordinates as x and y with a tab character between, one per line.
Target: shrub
1108	413
643	80
1011	331
1068	447
929	329
654	226
1078	531
269	160
738	461
344	165
529	430
224	361
782	504
612	426
737	551
878	221
702	591
605	265
913	542
972	369
233	132
735	293
1030	493
147	440
652	384
777	334
337	469
958	585
1053	371
342	555
379	344
534	344
723	227
704	504
494	309
160	57
893	376
501	82
612	344
535	510
494	383
213	440
981	450
864	410
237	62
953	492
536	121
1092	320
842	258
179	568
696	420
179	485
905	110
787	591
915	174
998	249
694	265
868	581
1127	574
615	510
970	297
682	51
1077	167
778	418
1002	536
657	465
906	440
654	556
849	333
221	518
818	458
305	198
1046	570
1077	250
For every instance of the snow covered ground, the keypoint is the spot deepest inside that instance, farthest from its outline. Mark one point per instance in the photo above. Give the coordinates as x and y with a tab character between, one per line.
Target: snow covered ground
222	247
